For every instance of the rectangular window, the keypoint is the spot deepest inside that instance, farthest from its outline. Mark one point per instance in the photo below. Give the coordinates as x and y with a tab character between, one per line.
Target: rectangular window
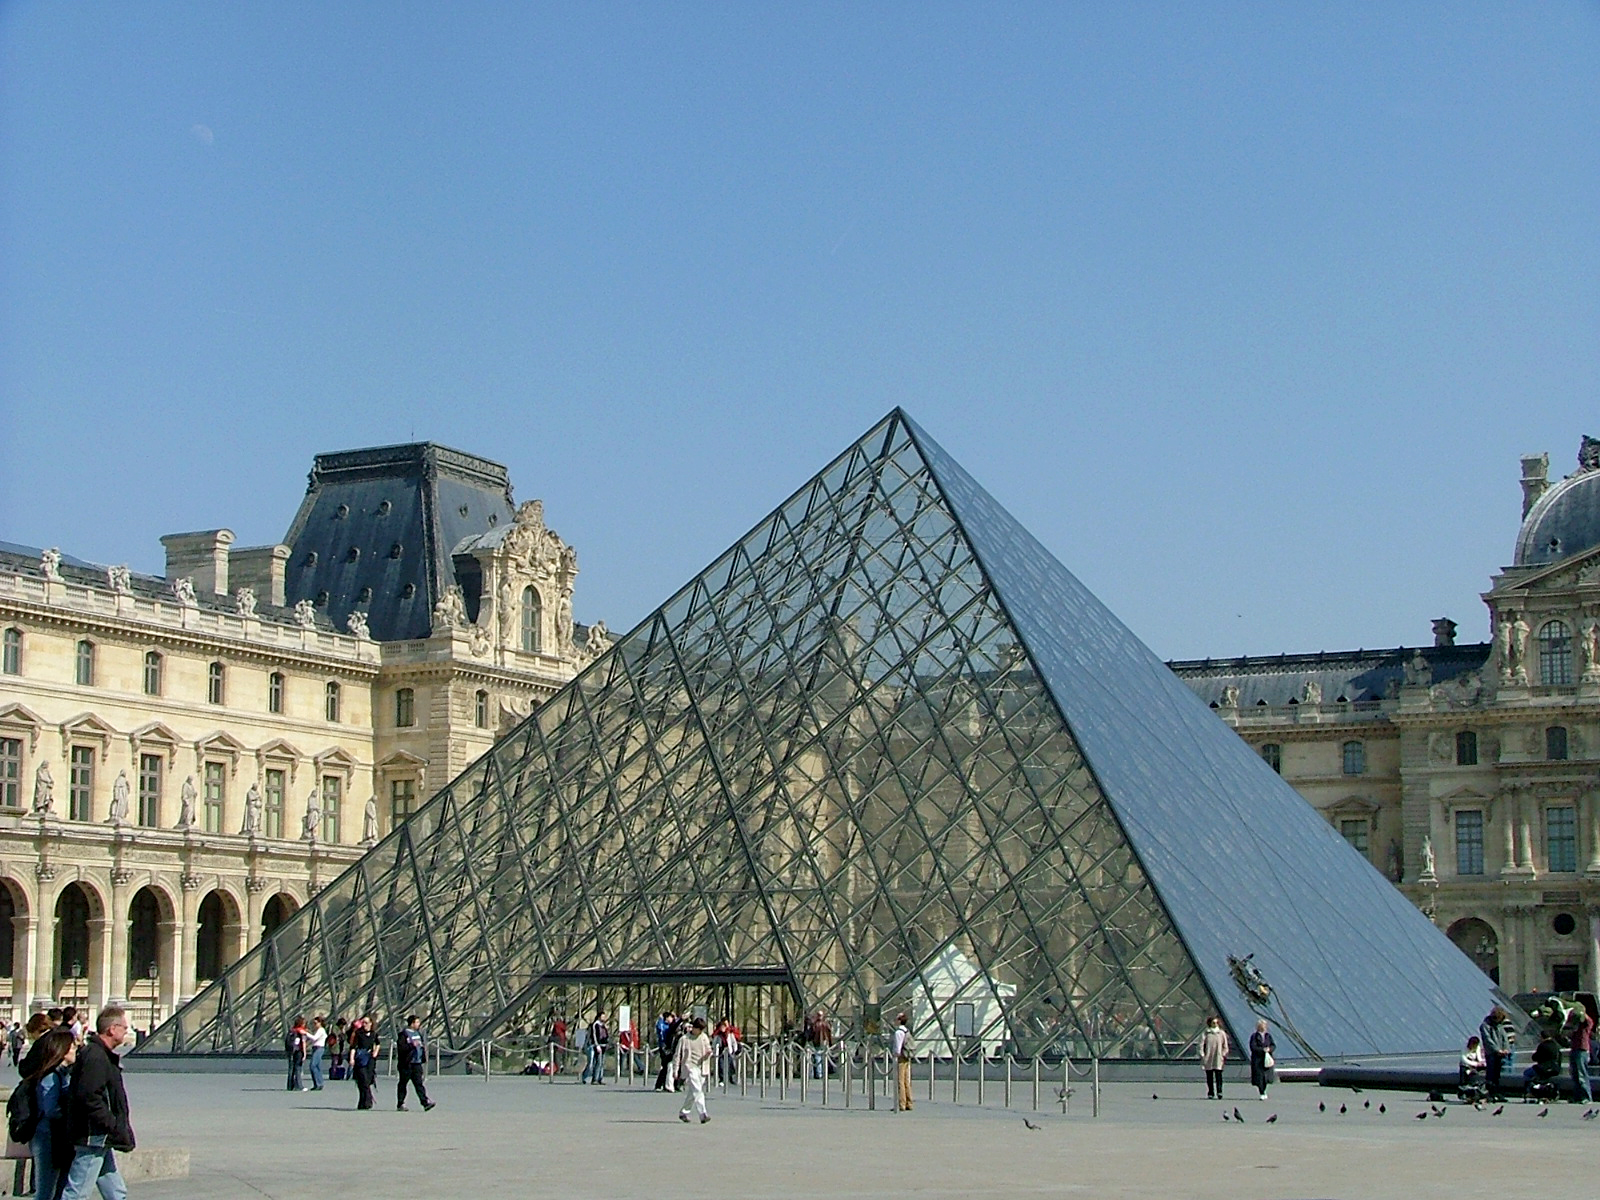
1555	743
1355	758
481	716
332	793
80	783
152	674
11	772
1466	749
85	664
273	801
11	655
216	795
402	800
1273	753
1469	842
1354	831
405	708
275	693
1561	838
150	790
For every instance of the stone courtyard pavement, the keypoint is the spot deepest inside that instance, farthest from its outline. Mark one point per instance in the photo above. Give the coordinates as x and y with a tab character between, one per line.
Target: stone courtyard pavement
527	1137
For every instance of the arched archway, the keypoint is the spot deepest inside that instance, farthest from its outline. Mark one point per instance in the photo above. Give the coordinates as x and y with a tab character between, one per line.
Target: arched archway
75	943
217	938
149	938
276	911
1478	941
16	974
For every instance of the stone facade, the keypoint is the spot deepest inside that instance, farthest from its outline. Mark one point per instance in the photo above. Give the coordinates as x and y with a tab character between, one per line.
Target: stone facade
1470	775
185	760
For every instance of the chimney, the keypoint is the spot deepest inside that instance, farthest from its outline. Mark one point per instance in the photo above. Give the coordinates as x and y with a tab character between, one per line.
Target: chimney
1444	632
202	556
1535	479
261	569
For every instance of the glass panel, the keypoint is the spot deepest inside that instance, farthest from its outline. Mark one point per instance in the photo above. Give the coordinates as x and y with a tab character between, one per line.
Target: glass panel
80	787
1469	842
216	786
1561	837
150	772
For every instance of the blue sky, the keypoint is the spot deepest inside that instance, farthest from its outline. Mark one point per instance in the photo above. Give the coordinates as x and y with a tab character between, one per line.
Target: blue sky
1246	310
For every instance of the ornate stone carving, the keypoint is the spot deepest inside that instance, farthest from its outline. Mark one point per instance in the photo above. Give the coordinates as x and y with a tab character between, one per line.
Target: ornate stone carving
482	641
44	791
1311	692
1464	691
312	821
305	614
1428	874
564	625
119	800
451	610
186	804
183	590
1589	454
122	876
120	579
1589	644
252	813
1230	696
1513	649
255	884
50	564
1440	747
1419	672
190	882
244	601
356	623
369	822
43	871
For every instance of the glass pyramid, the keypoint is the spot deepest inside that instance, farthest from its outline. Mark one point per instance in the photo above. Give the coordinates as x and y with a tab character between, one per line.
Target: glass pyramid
885	750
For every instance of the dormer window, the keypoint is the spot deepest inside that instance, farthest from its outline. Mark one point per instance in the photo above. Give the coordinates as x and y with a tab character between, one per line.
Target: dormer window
1555	654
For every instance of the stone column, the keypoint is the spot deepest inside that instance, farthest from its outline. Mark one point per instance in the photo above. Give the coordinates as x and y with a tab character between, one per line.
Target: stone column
189	941
1593	982
117	964
24	935
44	955
1525	833
1508	825
99	964
1591	804
169	956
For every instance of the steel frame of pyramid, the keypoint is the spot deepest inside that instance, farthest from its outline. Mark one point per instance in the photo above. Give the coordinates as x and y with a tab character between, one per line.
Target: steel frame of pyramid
887	750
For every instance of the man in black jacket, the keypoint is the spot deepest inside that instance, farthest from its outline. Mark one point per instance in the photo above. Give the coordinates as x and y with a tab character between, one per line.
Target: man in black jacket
97	1112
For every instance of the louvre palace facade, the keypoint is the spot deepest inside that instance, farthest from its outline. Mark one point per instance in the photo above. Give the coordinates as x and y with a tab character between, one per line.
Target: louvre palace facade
1468	774
185	760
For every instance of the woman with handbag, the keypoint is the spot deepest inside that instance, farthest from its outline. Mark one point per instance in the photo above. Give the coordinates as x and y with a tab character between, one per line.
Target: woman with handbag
52	1154
1261	1060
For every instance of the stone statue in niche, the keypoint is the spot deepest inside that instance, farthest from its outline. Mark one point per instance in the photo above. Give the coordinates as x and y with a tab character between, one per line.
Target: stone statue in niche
1230	696
183	589
1589	639
44	791
1311	692
244	602
305	614
50	564
598	641
252	813
369	821
119	799
564	624
1427	858
186	803
1397	867
356	623
121	580
506	610
1419	672
313	818
481	641
1514	649
451	611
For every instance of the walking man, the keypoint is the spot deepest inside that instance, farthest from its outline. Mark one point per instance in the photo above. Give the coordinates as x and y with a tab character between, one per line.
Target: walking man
693	1063
97	1112
821	1037
1582	1033
413	1054
594	1067
668	1031
364	1051
901	1045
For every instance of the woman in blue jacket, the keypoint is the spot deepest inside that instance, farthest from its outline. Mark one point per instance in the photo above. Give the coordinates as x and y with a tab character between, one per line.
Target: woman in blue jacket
58	1051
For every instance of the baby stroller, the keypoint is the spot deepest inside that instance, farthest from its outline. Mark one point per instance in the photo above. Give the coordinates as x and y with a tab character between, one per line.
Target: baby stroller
1542	1082
1472	1085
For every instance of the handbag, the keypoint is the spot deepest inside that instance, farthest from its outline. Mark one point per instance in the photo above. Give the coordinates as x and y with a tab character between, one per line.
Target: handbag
16	1149
1267	1060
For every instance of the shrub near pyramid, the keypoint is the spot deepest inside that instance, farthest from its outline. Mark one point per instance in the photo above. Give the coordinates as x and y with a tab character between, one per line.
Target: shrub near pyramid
888	750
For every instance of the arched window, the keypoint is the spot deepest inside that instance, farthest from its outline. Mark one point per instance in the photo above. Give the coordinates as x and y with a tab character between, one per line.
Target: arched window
1555	743
275	692
85	675
331	700
1273	753
1466	749
152	674
532	614
1555	653
1355	758
11	655
480	714
214	683
405	708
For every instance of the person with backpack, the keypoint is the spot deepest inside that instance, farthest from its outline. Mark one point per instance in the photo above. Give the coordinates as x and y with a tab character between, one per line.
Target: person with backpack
412	1052
295	1043
35	1112
594	1069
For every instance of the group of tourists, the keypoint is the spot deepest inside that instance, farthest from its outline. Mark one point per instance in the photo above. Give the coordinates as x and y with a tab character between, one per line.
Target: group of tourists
1215	1046
1491	1051
70	1107
354	1048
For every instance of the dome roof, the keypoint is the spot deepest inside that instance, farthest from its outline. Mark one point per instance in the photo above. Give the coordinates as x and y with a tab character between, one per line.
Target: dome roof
1562	522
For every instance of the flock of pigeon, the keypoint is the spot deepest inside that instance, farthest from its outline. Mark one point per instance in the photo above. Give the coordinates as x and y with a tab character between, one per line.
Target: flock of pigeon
1436	1111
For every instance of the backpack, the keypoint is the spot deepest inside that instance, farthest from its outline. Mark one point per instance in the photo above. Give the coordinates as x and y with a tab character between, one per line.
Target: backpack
22	1111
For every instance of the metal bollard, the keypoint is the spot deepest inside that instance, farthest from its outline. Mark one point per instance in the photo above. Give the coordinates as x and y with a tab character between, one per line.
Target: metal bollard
845	1059
872	1090
1035	1083
931	1074
1066	1075
955	1076
1097	1085
983	1069
1008	1079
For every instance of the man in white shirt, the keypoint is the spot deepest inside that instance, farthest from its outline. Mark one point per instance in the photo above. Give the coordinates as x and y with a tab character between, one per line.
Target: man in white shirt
692	1064
901	1046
